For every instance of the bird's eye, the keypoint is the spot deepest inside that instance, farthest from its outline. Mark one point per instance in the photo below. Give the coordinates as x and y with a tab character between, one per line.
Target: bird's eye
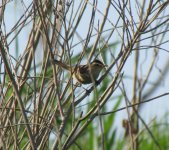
98	65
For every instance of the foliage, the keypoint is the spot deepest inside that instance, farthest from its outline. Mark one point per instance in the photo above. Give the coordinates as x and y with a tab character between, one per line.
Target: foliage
43	107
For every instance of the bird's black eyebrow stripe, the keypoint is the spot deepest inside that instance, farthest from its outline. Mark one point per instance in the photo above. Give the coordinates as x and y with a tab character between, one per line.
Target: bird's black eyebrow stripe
97	61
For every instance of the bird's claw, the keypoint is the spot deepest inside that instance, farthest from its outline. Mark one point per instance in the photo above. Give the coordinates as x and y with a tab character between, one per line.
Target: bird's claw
88	92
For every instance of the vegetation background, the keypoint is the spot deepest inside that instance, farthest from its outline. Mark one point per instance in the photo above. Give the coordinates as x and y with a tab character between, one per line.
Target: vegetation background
42	106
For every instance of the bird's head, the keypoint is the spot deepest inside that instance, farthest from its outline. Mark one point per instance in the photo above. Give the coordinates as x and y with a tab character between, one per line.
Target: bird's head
97	64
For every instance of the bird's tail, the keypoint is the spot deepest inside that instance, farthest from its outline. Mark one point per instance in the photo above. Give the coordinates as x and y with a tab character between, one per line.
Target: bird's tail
59	63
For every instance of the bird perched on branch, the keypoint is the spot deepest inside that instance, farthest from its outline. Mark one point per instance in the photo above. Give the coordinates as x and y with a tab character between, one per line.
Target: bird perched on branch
84	74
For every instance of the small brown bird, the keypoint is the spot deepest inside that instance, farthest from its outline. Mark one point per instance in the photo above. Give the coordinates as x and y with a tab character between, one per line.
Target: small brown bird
84	74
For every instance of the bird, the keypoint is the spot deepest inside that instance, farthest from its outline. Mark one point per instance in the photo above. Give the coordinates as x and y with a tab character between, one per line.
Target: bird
84	74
